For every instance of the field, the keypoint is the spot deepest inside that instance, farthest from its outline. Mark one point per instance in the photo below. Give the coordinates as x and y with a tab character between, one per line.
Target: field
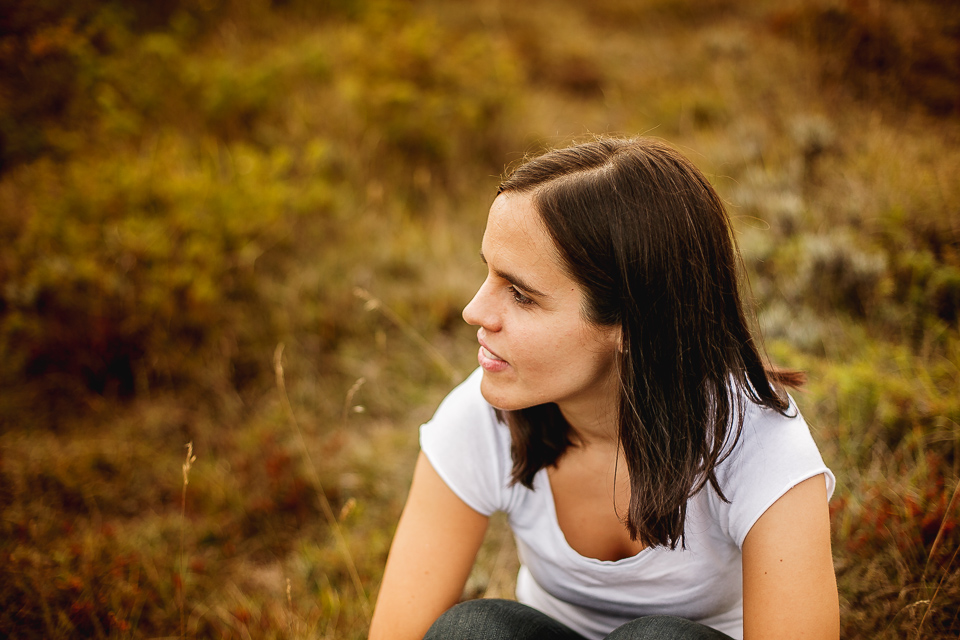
252	226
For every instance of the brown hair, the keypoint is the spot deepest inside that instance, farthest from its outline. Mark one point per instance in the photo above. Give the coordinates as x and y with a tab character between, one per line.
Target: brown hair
645	235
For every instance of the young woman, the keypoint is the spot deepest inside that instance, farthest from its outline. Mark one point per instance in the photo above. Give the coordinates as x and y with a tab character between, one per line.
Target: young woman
658	480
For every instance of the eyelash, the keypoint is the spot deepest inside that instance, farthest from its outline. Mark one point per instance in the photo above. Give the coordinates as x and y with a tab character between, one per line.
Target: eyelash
518	297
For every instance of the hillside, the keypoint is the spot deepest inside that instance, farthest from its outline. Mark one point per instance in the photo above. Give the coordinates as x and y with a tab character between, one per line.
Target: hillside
251	226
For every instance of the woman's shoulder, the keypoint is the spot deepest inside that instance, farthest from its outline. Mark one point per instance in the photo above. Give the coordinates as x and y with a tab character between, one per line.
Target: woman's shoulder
767	432
775	452
469	447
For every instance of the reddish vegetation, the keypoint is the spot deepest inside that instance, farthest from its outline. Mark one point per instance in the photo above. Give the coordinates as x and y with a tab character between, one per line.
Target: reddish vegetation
184	185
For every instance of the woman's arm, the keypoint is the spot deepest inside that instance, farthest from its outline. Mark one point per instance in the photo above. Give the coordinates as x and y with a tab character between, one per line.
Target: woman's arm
430	559
789	585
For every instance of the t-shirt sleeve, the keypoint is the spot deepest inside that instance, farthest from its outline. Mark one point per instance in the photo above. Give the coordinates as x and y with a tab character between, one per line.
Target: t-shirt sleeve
469	448
774	454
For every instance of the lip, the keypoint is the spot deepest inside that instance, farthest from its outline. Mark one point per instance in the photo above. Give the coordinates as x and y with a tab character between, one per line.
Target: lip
489	360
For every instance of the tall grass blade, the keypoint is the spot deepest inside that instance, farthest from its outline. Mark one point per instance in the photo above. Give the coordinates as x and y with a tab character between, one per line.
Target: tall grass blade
318	486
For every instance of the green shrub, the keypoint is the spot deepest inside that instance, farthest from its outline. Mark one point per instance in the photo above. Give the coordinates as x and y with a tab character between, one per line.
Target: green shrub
128	270
157	252
432	95
51	58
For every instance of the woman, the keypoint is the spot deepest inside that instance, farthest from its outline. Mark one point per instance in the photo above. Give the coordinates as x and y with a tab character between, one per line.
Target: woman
657	478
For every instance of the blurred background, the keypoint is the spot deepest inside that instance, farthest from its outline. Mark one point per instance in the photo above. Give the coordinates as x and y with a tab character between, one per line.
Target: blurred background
193	192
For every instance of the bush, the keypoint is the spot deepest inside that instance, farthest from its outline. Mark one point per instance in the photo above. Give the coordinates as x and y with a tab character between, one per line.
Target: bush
900	53
126	271
154	250
835	273
432	95
51	57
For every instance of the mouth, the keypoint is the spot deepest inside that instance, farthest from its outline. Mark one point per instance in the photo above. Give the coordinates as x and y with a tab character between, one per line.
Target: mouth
489	360
491	355
485	349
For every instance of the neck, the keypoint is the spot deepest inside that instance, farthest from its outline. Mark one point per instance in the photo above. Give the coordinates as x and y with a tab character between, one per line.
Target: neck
593	420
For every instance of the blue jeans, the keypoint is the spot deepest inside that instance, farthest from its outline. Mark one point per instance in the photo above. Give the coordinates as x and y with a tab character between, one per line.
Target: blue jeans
509	620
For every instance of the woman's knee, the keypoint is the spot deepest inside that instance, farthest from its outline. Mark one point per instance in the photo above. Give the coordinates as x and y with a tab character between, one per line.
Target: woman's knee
493	619
665	628
464	620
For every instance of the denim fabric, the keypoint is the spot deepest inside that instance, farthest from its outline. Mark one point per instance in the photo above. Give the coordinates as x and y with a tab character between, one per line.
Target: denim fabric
492	619
665	628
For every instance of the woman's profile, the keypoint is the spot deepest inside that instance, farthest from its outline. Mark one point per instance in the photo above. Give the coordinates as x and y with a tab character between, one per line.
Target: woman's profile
658	480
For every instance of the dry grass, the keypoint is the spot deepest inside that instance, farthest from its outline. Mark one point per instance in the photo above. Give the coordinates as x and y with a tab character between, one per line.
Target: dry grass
209	191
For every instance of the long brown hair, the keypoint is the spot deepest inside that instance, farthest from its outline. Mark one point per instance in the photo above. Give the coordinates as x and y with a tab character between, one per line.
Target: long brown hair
647	238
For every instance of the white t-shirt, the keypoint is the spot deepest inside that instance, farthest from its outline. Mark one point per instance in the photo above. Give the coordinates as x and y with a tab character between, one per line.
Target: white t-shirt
470	449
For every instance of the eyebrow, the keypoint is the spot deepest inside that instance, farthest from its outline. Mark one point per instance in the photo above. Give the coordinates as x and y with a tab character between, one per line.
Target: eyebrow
515	280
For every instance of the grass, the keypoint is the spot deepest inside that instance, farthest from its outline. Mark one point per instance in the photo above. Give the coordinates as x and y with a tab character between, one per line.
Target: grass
214	181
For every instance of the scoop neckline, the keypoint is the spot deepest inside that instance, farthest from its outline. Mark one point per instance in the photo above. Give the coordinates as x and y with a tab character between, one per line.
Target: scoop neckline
565	545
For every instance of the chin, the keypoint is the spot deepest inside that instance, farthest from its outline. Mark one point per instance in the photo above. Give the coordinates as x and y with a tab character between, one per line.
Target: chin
498	399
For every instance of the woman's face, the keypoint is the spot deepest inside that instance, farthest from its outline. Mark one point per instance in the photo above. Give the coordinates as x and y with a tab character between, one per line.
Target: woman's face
536	346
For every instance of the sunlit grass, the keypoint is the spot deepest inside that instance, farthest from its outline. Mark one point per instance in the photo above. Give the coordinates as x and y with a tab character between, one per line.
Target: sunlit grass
230	180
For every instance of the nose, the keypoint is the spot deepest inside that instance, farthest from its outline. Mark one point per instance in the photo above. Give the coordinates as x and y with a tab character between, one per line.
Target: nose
482	310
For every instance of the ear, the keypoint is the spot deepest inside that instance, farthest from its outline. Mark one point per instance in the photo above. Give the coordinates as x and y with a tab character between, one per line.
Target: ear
616	336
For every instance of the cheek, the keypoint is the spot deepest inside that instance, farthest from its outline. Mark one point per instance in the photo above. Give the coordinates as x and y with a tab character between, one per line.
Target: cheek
557	348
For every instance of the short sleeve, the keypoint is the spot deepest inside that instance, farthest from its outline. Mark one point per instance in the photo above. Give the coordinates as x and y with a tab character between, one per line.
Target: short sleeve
774	454
469	448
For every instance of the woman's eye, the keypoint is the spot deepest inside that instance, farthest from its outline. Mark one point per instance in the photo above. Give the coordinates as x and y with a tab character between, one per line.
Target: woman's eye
519	298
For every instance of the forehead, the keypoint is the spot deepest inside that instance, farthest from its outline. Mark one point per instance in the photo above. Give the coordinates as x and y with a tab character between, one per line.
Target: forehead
514	223
517	247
